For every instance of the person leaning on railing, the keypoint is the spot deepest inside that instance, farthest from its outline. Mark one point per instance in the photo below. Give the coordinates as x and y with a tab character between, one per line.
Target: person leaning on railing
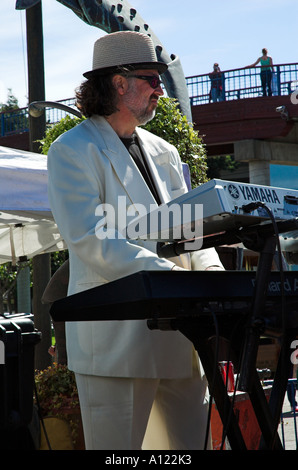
266	71
216	92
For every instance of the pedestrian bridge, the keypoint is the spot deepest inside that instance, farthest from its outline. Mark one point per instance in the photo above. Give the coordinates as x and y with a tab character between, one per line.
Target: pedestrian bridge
243	83
257	130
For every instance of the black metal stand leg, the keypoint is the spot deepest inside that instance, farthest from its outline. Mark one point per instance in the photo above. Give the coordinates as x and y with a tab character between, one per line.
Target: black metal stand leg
254	327
194	330
279	387
267	414
259	402
218	389
270	439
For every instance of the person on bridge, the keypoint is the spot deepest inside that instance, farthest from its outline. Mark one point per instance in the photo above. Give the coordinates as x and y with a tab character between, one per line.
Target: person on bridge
266	71
135	385
216	78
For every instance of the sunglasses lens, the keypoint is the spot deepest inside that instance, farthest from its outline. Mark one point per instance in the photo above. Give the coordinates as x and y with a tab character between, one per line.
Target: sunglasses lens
154	82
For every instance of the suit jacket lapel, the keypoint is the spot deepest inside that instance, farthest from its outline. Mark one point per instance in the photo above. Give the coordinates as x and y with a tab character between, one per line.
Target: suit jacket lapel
127	171
124	166
155	169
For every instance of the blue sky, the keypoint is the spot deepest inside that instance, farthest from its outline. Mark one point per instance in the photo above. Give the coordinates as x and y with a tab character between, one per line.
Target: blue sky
200	32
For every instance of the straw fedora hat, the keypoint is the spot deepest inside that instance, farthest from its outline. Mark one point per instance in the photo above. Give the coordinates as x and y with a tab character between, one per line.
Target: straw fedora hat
124	49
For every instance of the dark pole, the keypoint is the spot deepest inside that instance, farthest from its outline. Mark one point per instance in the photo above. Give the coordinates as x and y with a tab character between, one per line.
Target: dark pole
41	263
36	84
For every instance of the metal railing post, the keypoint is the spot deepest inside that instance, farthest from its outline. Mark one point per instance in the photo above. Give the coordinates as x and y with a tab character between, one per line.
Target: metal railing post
2	125
278	80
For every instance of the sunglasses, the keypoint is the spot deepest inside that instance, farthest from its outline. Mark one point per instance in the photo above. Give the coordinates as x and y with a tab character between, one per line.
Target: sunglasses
153	81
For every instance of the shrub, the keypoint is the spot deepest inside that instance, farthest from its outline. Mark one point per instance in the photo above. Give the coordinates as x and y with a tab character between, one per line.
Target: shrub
172	126
56	388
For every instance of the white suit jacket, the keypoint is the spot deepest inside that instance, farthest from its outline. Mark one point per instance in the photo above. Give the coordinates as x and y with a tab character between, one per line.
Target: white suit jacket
89	166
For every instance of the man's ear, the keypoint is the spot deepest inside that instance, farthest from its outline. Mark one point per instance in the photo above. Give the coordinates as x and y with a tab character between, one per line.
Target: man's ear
120	84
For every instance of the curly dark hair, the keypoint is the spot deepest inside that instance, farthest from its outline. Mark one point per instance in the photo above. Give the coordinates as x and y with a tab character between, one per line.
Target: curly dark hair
97	95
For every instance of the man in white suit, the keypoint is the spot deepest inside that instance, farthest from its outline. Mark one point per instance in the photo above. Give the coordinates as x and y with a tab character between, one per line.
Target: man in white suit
136	386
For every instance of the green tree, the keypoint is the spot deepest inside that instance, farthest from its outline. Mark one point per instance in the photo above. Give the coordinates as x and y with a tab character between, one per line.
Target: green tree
174	127
15	118
53	131
12	102
220	163
8	277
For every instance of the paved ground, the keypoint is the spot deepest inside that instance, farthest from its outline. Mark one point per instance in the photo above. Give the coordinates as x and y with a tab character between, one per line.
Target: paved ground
287	431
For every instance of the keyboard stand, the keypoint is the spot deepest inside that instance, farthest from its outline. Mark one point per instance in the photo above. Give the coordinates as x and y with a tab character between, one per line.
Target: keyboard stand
244	357
201	332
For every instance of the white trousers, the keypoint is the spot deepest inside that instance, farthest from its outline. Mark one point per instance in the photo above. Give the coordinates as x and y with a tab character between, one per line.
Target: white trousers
148	414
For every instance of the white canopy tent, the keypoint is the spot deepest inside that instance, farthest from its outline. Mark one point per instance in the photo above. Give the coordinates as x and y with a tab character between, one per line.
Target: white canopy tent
27	227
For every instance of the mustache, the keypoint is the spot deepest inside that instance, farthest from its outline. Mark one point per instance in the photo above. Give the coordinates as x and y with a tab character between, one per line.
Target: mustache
154	96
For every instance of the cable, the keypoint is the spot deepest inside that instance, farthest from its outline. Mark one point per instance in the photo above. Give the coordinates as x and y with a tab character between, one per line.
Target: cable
41	417
212	385
249	208
226	422
213	380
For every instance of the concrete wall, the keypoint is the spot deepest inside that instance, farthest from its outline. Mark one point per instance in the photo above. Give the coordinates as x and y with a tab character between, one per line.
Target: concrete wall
260	153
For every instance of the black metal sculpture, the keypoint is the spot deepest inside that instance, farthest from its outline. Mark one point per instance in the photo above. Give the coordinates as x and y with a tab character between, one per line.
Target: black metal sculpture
113	16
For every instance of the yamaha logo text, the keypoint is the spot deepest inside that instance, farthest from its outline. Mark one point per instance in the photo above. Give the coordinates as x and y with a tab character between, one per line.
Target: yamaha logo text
253	193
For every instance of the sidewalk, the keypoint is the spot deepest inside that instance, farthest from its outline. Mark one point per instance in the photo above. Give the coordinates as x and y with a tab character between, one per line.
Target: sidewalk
286	427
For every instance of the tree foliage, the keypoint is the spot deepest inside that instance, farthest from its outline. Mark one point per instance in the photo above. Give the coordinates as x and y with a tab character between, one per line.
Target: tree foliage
14	119
221	163
174	127
11	104
8	276
53	131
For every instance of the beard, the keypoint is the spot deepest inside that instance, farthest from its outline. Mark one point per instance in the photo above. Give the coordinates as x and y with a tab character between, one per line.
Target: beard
146	116
142	109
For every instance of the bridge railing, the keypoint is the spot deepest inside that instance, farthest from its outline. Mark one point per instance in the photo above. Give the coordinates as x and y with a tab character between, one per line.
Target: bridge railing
17	120
237	84
243	83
